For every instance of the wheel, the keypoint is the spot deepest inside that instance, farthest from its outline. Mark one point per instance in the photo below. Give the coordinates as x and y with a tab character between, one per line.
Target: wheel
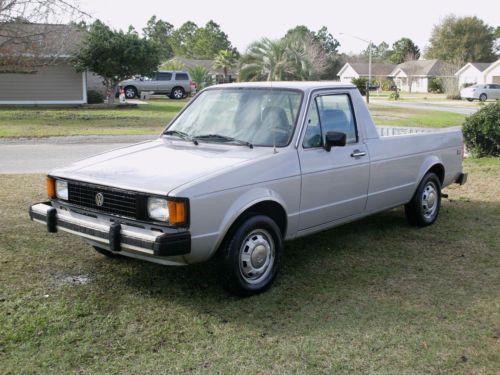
105	252
177	93
470	99
483	97
251	256
424	207
130	92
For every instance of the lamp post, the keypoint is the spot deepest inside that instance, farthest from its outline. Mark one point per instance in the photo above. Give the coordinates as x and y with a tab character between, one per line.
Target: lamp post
369	62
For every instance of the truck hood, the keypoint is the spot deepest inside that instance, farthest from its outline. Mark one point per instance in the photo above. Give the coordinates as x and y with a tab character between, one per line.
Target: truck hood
159	166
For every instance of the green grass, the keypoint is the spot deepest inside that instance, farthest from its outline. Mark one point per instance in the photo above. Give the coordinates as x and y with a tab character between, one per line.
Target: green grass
413	97
385	115
44	121
374	296
153	117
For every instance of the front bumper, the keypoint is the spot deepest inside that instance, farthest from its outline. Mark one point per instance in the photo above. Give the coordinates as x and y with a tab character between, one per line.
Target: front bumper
114	236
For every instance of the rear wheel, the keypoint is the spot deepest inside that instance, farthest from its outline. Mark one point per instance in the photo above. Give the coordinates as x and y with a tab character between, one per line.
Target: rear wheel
483	97
105	252
177	93
250	257
424	207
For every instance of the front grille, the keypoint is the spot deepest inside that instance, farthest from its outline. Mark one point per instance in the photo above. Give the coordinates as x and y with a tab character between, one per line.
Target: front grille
116	202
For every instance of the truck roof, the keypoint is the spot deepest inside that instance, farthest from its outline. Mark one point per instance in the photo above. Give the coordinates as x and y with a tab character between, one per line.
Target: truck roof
297	85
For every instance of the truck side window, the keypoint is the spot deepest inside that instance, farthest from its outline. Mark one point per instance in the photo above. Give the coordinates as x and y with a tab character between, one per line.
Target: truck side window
329	113
335	114
313	137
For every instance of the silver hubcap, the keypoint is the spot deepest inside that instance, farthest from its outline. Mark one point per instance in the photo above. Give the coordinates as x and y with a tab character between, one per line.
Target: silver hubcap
429	200
178	94
130	93
256	256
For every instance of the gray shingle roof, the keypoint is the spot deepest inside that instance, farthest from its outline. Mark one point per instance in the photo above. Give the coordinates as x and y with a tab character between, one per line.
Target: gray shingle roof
377	69
208	64
481	66
427	68
45	40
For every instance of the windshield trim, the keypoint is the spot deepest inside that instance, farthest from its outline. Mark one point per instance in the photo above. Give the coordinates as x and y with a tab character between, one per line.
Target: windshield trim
212	88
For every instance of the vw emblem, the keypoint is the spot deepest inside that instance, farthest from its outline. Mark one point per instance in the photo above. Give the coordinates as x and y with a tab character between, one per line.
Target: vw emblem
99	199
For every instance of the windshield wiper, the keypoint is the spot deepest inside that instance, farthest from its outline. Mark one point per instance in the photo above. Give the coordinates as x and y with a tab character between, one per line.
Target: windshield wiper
182	135
223	138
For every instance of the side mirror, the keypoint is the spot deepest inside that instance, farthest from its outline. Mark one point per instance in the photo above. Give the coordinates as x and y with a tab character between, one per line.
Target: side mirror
334	139
141	79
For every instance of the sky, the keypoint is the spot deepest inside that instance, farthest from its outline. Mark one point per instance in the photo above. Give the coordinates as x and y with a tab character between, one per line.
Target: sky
247	21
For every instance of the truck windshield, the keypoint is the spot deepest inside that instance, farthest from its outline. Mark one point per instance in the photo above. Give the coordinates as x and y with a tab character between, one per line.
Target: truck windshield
261	117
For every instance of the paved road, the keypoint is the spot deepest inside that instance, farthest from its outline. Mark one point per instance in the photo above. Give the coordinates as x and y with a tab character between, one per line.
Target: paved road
462	109
42	155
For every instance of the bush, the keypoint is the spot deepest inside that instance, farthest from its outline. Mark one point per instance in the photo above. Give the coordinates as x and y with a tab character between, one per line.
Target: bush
436	86
360	83
388	85
94	97
482	131
394	95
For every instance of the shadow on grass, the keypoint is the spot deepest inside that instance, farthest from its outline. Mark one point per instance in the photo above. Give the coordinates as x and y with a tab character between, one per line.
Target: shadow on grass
367	269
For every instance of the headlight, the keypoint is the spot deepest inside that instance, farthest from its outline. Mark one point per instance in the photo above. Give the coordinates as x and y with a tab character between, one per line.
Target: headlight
62	189
172	210
158	209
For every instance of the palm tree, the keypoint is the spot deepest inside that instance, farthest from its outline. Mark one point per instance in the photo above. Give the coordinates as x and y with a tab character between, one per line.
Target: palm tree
294	57
201	76
266	60
225	60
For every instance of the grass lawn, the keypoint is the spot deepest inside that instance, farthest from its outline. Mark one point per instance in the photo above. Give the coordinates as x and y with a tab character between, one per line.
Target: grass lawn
385	115
375	296
154	116
150	118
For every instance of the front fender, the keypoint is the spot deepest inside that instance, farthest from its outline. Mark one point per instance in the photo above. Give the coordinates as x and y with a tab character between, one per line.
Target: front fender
243	203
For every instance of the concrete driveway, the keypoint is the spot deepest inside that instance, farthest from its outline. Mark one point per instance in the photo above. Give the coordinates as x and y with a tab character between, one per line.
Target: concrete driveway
42	155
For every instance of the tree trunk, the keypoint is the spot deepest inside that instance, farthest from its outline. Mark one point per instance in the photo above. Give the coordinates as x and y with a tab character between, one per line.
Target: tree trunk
225	74
111	87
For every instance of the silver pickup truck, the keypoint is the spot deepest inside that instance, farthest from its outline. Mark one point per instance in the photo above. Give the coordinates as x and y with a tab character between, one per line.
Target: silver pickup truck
243	168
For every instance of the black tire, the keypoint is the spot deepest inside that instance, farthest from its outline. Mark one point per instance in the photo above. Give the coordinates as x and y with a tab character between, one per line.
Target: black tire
177	93
258	240
483	97
423	209
470	99
105	252
130	92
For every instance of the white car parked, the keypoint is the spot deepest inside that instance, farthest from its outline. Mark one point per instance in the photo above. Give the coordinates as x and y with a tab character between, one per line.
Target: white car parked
481	92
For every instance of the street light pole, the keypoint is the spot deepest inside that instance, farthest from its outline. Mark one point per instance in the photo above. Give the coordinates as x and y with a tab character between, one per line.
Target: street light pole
369	62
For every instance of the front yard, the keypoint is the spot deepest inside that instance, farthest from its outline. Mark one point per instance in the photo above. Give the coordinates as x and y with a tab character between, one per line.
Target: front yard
151	118
375	296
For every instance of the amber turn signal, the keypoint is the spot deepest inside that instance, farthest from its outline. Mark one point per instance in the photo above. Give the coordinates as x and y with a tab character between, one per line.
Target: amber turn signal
51	187
177	212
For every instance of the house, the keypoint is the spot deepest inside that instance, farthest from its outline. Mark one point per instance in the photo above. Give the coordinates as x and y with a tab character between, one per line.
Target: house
216	74
415	75
492	73
350	71
471	73
45	75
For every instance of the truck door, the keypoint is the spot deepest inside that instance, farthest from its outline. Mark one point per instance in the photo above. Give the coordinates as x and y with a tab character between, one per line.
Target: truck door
335	182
